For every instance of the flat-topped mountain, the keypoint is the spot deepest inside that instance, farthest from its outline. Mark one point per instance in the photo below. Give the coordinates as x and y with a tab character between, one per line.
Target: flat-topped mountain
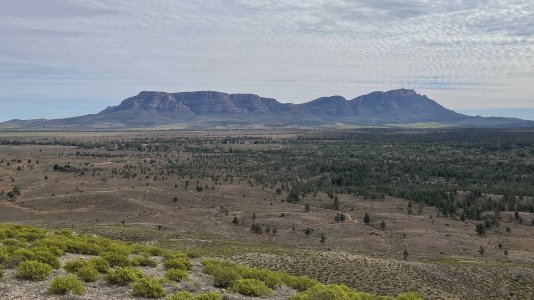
209	108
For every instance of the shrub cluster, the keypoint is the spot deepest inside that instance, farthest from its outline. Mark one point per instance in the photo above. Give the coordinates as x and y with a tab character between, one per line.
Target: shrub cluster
251	287
33	270
147	287
124	275
67	284
185	295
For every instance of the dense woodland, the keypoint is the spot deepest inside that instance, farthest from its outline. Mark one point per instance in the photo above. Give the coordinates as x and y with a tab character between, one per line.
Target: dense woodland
467	173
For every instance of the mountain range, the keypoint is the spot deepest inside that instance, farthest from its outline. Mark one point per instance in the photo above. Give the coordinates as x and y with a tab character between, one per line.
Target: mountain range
205	109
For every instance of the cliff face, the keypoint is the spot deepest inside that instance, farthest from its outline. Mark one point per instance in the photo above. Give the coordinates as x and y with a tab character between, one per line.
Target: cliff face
209	108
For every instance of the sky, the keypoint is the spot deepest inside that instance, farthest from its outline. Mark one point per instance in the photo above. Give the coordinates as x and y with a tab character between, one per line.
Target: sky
62	58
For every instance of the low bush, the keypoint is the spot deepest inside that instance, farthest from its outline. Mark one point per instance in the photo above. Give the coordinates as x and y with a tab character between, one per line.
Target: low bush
176	275
100	264
40	256
88	273
83	245
338	291
178	263
33	270
74	265
181	295
115	259
1	273
67	284
211	295
148	287
143	261
222	277
251	287
124	275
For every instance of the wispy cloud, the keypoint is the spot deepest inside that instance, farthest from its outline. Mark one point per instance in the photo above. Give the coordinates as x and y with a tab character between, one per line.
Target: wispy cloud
461	52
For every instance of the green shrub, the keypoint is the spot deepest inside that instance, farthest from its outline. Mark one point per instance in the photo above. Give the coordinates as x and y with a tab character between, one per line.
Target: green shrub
148	287
251	287
116	259
40	256
82	245
299	283
222	277
14	243
271	279
178	263
143	261
33	270
67	284
124	275
1	273
88	273
211	295
74	265
100	264
4	255
176	275
181	295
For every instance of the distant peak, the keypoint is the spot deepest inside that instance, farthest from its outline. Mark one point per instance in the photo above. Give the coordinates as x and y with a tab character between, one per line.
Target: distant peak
403	92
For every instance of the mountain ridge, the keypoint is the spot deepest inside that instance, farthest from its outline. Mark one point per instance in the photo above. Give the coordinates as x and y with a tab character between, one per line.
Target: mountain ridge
150	109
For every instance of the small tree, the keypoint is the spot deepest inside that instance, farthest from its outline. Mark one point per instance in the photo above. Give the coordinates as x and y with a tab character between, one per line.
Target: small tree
175	199
506	252
307	208
253	217
480	228
235	221
383	225
366	219
481	250
308	231
323	238
275	230
405	254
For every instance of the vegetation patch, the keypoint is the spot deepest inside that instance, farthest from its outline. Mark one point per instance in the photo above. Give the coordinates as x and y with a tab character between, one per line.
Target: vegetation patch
67	284
148	287
251	287
33	270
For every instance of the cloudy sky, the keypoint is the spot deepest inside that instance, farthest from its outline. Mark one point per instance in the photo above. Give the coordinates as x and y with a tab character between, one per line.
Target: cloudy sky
68	57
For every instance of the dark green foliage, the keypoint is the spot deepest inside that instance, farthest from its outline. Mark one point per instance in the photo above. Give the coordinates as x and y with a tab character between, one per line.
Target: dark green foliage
366	219
480	228
176	275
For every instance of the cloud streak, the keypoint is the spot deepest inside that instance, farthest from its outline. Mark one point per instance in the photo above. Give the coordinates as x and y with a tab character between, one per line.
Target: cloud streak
462	53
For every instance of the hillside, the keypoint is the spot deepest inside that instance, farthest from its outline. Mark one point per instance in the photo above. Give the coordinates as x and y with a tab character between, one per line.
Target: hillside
207	109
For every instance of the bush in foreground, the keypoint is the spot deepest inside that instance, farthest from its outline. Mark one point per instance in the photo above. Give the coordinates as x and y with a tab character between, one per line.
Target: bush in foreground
67	284
124	275
176	275
148	287
33	270
251	287
185	295
88	273
338	291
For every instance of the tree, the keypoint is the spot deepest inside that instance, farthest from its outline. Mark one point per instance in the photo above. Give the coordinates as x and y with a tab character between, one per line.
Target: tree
235	221
481	250
323	238
308	231
480	228
383	225
293	197
506	252
366	219
293	228
307	208
254	217
405	254
508	230
336	202
175	199
275	230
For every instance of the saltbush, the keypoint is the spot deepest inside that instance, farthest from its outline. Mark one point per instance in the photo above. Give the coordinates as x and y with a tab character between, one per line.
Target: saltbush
100	264
124	275
176	275
74	265
143	261
88	273
178	263
251	287
33	270
147	287
40	256
116	259
66	284
211	295
181	295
